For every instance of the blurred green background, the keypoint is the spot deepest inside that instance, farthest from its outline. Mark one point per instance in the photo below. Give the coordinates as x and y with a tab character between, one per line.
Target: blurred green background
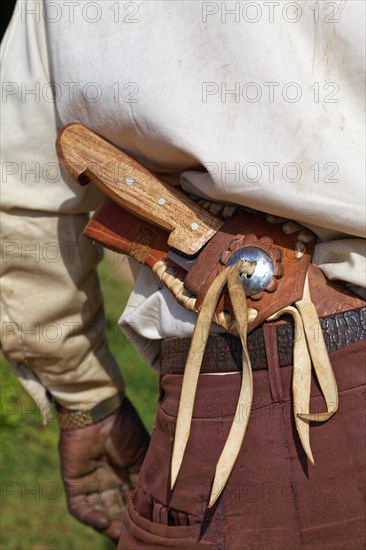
33	508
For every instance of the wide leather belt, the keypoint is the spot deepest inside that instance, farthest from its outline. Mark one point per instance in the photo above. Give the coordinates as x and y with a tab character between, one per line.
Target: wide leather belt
223	352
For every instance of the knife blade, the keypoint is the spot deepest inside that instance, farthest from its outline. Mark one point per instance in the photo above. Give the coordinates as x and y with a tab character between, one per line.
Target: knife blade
182	261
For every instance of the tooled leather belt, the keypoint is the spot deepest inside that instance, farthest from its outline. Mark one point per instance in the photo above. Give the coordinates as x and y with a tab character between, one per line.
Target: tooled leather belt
223	352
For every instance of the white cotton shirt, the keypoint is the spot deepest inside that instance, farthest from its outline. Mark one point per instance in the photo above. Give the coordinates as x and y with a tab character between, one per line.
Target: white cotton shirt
266	98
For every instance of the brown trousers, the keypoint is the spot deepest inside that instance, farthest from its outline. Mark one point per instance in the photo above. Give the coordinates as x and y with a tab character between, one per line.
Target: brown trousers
274	499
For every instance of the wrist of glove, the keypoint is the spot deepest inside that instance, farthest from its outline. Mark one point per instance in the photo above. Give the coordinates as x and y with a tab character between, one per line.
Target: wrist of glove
100	463
72	419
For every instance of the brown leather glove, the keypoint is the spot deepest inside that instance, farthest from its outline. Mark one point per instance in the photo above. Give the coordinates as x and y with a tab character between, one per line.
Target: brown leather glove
100	465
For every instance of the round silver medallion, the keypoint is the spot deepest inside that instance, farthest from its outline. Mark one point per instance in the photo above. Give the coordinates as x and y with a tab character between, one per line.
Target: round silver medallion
263	273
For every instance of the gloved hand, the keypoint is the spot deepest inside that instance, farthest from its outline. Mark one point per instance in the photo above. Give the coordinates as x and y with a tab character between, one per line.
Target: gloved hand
100	464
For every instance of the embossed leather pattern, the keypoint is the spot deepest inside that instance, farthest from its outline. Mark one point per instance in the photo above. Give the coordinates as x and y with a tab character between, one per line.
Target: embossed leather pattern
224	352
241	227
117	229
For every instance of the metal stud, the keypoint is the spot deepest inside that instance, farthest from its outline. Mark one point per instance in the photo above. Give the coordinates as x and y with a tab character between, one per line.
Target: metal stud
263	272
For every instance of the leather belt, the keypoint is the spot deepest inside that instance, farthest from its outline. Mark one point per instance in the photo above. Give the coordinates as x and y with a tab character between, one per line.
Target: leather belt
223	352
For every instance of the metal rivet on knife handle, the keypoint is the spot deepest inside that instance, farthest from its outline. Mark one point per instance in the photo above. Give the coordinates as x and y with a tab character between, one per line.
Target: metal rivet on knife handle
89	157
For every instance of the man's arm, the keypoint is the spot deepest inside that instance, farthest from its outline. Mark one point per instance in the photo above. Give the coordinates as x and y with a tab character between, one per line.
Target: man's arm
52	318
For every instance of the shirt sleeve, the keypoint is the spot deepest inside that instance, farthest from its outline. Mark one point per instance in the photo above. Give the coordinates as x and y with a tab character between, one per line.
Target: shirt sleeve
52	317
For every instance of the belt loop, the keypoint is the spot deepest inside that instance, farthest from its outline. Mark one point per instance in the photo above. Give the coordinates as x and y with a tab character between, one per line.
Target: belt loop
274	373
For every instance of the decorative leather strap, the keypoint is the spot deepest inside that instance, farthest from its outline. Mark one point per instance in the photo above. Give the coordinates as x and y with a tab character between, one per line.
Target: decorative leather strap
70	419
223	352
230	276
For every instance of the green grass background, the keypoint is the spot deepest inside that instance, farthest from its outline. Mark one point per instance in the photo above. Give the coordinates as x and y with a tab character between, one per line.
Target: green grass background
29	458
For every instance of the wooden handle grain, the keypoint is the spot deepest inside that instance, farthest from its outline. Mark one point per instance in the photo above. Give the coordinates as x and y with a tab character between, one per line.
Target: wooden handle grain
89	157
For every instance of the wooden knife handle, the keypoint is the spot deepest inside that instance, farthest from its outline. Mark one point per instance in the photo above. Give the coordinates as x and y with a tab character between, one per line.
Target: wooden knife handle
89	157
